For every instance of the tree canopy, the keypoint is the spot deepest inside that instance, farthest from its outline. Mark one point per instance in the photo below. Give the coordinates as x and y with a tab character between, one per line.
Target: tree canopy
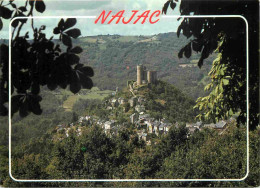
227	38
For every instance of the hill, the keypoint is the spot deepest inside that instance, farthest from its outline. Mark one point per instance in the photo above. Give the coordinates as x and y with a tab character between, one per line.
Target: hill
114	59
161	101
166	101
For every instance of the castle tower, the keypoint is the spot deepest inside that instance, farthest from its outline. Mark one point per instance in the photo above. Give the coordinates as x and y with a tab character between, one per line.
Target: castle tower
144	73
149	77
154	76
139	74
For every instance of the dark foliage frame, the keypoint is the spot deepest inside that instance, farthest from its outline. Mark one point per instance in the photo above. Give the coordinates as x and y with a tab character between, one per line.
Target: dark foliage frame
39	61
226	37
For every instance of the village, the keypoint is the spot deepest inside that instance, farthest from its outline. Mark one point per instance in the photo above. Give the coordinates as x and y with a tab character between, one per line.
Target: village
143	123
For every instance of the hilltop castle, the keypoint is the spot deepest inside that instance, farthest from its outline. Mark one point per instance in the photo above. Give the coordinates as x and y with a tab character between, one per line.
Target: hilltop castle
143	76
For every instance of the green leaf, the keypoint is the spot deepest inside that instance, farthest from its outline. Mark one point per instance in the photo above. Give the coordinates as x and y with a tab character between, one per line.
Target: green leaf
76	50
225	81
180	54
75	83
34	104
179	31
231	112
200	62
70	22
61	24
173	5
220	87
165	7
40	6
3	110
201	106
86	82
217	89
66	40
56	30
207	87
187	51
196	46
23	111
88	71
227	114
6	13
73	59
221	72
35	89
216	61
15	103
84	149
207	115
205	52
23	9
75	33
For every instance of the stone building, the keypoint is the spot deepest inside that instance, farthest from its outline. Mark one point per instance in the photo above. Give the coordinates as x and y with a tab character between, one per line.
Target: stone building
133	118
132	101
145	76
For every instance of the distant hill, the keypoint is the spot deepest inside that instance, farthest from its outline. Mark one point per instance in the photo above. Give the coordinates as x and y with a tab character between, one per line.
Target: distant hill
114	59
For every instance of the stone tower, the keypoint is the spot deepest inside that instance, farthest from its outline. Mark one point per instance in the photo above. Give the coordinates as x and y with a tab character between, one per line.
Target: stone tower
154	76
151	77
139	74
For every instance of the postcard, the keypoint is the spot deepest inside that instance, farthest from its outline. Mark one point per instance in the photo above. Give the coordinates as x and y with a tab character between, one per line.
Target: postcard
129	93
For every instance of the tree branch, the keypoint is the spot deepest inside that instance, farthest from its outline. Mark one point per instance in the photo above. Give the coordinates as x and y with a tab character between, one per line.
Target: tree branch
13	33
20	27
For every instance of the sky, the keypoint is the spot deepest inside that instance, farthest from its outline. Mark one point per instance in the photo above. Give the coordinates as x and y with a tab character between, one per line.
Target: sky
94	8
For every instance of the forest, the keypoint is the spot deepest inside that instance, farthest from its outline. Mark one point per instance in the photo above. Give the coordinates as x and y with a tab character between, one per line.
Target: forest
205	154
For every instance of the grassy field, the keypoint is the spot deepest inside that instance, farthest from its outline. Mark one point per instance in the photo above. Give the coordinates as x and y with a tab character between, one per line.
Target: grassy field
94	93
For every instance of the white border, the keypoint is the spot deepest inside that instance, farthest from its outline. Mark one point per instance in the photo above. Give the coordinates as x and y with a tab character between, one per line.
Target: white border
129	180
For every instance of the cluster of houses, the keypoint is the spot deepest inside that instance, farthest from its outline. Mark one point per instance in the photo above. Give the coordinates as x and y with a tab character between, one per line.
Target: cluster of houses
221	125
115	102
63	129
110	127
149	124
144	123
134	102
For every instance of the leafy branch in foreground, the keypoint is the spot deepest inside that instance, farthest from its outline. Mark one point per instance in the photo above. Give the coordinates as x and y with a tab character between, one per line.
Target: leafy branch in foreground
38	61
226	80
227	37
